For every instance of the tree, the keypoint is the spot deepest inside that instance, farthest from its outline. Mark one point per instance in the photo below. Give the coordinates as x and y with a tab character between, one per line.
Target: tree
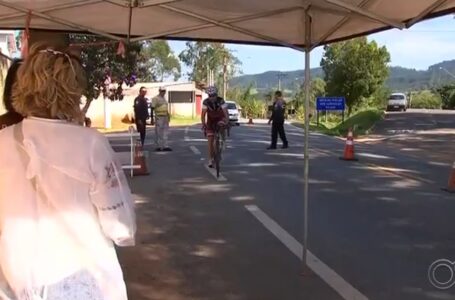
318	86
378	99
201	57
426	99
355	69
251	106
447	94
160	61
99	55
317	89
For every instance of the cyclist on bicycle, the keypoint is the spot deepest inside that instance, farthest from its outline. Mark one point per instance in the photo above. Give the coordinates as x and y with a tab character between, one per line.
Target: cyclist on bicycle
214	116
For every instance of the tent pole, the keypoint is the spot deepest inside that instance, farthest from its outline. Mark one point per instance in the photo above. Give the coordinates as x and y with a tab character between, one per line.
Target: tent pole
53	8
366	13
58	20
130	19
209	25
428	10
229	26
306	162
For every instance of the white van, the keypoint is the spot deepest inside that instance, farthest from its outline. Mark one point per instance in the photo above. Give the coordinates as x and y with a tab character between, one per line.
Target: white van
233	111
397	101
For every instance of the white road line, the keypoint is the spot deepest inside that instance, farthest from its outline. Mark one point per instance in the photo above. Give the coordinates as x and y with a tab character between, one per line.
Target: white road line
213	172
128	145
195	150
341	286
186	134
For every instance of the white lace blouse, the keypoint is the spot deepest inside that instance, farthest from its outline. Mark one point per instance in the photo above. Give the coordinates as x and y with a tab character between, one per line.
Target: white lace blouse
62	208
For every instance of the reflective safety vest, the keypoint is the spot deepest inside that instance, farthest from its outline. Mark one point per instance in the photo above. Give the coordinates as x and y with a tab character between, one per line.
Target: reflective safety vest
160	106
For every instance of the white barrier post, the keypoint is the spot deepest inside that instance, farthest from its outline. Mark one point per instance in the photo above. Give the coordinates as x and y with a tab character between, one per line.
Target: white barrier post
131	131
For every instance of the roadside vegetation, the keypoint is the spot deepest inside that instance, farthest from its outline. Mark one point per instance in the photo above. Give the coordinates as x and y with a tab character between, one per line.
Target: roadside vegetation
184	121
356	69
361	122
426	99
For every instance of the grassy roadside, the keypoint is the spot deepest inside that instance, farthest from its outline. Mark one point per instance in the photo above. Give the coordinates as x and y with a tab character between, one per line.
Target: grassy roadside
362	123
175	121
184	121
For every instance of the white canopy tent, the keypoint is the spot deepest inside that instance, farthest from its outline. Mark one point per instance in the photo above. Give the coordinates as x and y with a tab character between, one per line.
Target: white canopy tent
298	24
273	22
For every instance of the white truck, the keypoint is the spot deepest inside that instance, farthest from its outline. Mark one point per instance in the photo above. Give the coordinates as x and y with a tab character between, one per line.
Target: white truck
397	101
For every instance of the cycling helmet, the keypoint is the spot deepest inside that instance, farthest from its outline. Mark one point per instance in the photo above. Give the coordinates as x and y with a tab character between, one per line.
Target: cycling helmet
212	91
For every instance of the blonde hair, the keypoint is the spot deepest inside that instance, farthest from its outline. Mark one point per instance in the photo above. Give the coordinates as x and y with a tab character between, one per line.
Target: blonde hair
50	84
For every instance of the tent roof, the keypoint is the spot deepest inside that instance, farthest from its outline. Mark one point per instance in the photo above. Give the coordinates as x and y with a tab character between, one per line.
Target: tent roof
269	22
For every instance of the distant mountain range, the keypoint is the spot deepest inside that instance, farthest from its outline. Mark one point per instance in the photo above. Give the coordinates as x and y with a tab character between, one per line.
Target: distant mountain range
400	79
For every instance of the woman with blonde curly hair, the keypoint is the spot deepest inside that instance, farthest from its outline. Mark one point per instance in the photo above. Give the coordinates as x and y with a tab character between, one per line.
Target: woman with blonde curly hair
64	200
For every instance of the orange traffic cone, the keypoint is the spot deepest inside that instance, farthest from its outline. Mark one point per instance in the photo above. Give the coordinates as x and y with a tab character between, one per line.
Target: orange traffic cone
349	147
140	159
451	183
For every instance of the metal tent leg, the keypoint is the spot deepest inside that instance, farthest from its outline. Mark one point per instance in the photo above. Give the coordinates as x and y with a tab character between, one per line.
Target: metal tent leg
306	163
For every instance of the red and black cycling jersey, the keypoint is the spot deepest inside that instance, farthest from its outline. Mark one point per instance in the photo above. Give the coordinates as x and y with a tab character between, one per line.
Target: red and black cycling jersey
213	105
215	110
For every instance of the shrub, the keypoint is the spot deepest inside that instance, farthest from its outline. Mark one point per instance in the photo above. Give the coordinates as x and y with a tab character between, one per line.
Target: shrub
426	99
447	94
252	107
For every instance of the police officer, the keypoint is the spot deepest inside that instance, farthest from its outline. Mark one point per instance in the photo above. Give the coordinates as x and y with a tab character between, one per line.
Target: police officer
141	113
277	120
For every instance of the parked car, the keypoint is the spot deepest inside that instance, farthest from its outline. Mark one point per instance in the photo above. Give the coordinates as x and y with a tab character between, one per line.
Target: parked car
397	101
233	110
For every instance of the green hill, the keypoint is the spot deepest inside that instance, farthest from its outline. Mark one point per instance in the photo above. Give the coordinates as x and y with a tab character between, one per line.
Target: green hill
400	79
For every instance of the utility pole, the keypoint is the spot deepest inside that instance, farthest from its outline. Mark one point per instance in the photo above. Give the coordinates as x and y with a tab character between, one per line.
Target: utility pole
280	75
210	76
224	77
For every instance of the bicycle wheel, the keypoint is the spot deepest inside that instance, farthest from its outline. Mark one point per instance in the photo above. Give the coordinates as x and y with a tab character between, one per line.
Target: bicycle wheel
217	154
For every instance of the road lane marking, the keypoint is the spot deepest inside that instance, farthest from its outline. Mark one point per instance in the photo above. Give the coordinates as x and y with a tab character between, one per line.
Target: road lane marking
195	150
396	172
383	169
213	172
186	138
341	286
129	145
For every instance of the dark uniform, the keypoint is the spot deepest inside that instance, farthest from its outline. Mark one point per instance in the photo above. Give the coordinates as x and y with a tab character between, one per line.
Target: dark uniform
141	114
277	118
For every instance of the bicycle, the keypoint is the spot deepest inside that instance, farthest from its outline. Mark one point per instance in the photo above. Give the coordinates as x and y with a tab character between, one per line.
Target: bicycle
219	142
228	129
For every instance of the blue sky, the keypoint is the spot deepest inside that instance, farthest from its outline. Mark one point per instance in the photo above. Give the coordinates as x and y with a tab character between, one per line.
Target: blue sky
419	47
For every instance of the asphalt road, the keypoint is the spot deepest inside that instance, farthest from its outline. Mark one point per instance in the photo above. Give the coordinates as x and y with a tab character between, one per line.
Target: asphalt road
415	121
429	134
375	226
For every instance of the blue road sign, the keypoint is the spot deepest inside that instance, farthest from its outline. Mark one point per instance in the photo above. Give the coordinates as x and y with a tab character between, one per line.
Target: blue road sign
330	103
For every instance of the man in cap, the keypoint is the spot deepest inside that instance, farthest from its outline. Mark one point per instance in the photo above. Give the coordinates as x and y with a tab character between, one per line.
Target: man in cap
161	111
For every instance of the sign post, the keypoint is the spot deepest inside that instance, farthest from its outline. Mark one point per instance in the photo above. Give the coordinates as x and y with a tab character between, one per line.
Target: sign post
330	104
